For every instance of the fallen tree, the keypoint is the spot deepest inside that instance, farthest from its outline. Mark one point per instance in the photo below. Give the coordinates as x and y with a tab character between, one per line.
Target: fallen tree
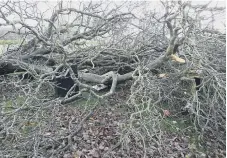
52	43
162	53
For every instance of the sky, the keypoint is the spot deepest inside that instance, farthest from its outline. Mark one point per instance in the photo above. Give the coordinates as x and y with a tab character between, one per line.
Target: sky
47	6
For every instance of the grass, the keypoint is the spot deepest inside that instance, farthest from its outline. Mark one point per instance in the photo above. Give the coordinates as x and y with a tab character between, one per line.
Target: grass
86	102
184	126
6	42
177	125
9	105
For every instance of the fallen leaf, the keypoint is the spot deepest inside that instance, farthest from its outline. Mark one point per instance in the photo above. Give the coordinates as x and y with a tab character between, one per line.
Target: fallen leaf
166	113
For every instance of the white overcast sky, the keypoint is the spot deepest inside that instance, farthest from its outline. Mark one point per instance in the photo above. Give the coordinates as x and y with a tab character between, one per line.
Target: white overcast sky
220	20
48	5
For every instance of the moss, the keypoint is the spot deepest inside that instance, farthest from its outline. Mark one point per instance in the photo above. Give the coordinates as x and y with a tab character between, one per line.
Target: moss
9	105
170	49
20	100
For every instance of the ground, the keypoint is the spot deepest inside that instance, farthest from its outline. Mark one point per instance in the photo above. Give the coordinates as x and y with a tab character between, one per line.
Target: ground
102	132
89	128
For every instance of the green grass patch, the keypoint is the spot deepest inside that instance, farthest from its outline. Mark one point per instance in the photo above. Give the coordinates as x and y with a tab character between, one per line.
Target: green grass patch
7	42
184	126
10	105
86	102
176	125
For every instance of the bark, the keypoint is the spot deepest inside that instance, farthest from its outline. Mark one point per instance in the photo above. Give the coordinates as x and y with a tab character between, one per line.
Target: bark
102	79
11	65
